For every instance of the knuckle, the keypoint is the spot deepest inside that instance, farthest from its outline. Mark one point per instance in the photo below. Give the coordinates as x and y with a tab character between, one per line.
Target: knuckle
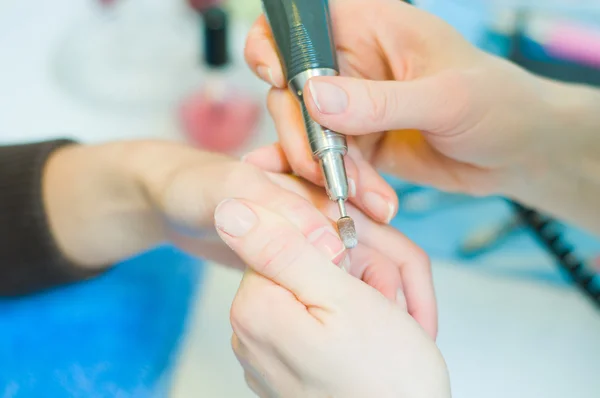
281	250
383	102
378	103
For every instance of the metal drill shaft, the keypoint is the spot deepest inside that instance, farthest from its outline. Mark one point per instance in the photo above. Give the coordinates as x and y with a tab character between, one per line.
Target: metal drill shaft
303	35
342	207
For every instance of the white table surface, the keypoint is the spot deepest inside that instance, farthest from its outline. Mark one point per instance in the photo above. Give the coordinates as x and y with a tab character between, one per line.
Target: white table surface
501	338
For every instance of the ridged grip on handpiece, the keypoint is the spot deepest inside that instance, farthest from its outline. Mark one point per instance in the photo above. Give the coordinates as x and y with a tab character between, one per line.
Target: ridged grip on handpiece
302	31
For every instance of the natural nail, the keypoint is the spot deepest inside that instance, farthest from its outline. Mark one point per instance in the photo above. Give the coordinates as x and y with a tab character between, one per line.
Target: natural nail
234	218
327	240
391	212
346	264
329	98
351	188
266	74
378	206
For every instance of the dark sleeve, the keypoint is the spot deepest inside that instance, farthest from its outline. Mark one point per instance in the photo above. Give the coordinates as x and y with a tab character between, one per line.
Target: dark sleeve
30	260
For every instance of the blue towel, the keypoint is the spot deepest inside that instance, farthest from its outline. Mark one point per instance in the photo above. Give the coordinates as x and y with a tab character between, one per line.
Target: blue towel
115	336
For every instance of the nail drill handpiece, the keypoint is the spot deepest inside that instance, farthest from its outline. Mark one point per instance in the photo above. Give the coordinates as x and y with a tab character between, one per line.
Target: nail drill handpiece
302	32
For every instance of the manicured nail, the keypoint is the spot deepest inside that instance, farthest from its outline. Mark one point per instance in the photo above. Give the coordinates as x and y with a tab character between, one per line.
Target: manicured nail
329	98
328	241
351	188
234	218
379	207
266	74
400	299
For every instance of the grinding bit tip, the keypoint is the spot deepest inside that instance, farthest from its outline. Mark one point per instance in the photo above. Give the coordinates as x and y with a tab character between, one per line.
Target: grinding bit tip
347	232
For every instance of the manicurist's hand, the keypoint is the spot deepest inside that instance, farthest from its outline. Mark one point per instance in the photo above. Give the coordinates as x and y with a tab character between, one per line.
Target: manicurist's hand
425	105
111	201
304	328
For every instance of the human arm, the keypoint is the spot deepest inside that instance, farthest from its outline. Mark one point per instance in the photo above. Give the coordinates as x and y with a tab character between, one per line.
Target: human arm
104	203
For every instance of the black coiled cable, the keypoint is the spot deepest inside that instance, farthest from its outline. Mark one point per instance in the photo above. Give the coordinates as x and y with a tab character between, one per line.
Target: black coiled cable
547	232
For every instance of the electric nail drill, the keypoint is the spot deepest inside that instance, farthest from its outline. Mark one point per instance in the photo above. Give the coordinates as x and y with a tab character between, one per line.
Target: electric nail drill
302	33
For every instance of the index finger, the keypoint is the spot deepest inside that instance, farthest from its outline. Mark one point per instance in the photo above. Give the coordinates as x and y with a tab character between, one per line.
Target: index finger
261	54
277	250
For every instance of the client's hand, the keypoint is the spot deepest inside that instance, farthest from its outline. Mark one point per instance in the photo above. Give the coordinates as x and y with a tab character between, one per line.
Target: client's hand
304	328
108	202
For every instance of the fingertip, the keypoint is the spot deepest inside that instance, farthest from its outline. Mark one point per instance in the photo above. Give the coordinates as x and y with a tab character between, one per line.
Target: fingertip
234	219
330	103
428	322
373	194
379	206
261	55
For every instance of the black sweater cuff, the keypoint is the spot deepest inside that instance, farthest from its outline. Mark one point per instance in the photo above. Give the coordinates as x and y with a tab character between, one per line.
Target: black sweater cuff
30	260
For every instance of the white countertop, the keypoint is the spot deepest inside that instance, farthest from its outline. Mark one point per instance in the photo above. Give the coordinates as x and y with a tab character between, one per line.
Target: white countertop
501	338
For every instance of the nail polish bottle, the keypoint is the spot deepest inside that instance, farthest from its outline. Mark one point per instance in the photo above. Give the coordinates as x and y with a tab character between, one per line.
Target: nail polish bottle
220	117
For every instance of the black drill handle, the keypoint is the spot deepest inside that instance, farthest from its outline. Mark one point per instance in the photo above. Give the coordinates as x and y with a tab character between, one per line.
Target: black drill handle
302	31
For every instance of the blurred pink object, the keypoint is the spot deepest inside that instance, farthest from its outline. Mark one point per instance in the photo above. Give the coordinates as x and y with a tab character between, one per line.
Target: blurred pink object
107	3
201	5
220	117
222	123
575	43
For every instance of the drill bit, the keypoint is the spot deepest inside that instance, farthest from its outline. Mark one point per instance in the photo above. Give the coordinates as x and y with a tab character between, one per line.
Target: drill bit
346	227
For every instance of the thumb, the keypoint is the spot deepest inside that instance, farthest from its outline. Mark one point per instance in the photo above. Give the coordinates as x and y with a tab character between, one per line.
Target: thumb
274	248
357	106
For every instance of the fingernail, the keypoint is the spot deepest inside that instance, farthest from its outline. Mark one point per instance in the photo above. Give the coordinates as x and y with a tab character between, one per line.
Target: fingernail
351	188
400	299
234	218
345	264
245	157
265	74
391	212
379	207
329	98
327	240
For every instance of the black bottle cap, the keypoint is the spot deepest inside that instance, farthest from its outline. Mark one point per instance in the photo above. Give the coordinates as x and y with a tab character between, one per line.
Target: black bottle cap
216	46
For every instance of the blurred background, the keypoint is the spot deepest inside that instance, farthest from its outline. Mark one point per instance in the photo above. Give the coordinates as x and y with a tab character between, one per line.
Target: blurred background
517	291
